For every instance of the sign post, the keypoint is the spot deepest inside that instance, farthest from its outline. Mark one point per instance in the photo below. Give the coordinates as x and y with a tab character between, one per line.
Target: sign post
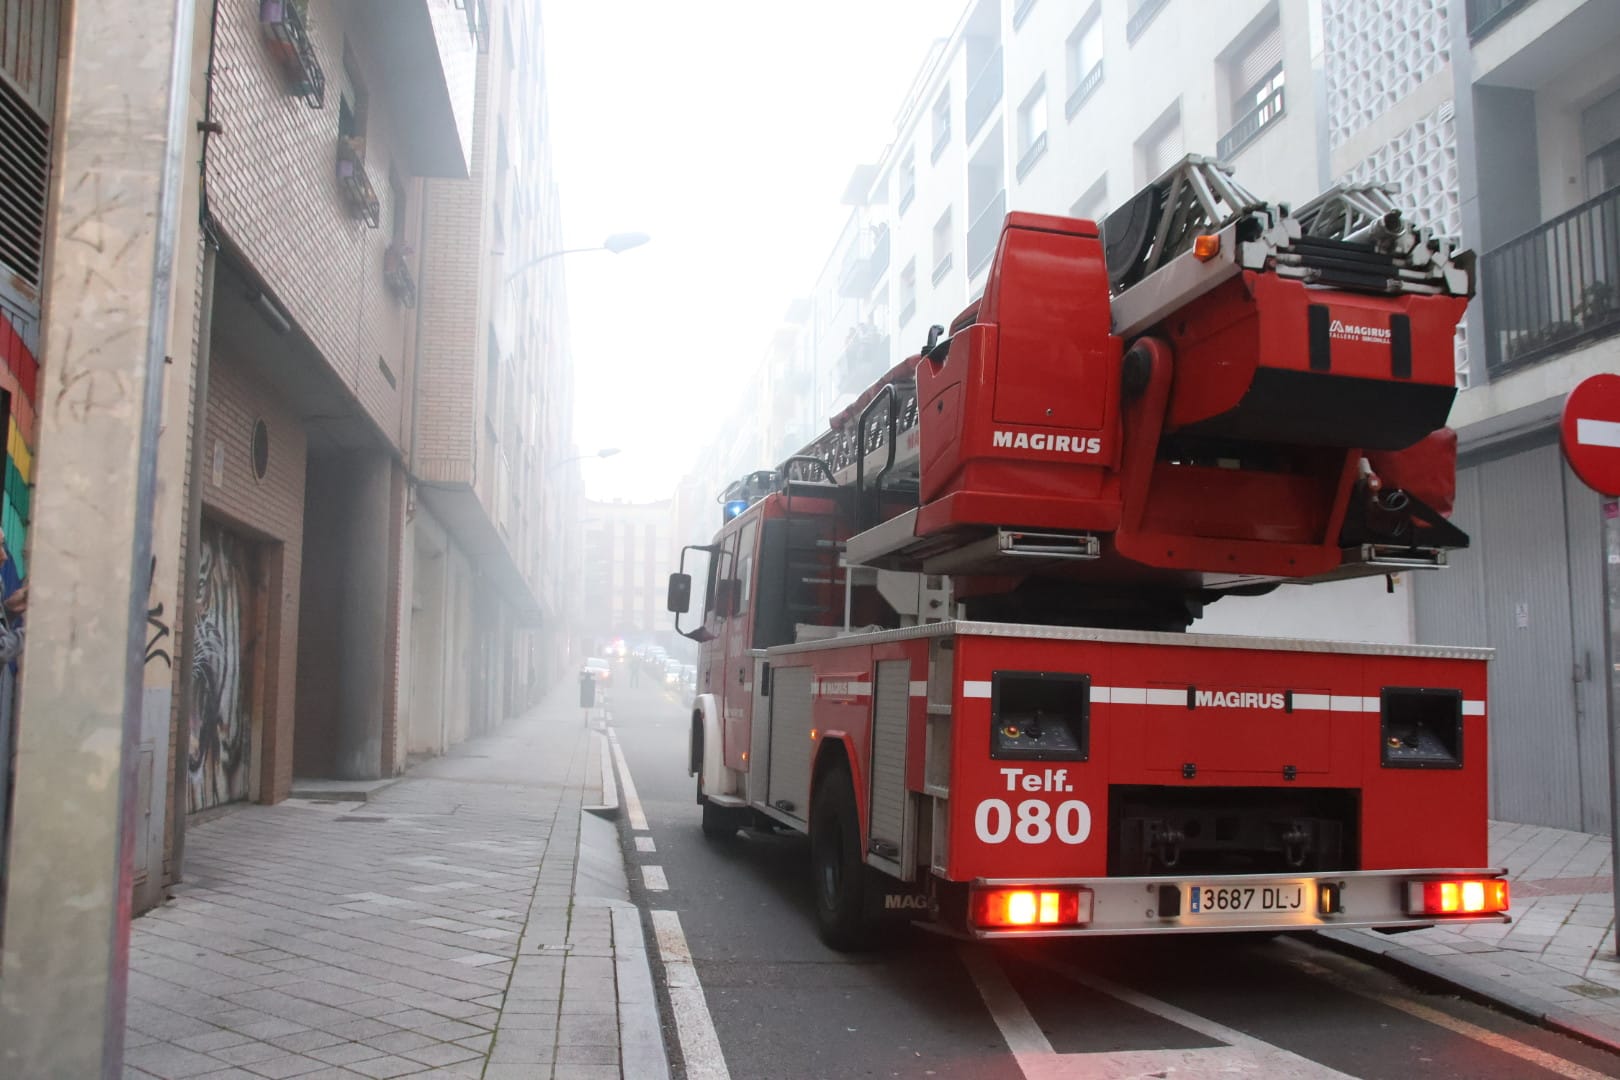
1590	435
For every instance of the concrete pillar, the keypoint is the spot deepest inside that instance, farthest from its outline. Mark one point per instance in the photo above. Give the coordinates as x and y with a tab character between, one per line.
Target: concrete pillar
363	630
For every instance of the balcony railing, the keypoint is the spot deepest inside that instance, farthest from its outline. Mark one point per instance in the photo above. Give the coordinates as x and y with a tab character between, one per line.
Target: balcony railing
1553	288
984	232
288	40
984	94
1251	124
358	193
1144	13
1084	90
865	357
1486	15
865	261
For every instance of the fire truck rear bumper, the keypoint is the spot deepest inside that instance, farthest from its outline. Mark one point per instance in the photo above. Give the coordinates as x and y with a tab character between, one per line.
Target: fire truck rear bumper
1377	899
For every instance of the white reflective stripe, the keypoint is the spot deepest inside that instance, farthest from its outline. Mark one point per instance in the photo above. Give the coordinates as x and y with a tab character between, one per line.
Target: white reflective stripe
1589	432
1353	703
919	689
1166	697
1129	695
841	688
1312	702
1101	693
976	689
1473	708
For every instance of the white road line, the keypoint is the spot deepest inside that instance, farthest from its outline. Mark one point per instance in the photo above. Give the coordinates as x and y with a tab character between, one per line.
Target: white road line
1243	1055
653	878
632	801
700	1046
645	843
1497	1041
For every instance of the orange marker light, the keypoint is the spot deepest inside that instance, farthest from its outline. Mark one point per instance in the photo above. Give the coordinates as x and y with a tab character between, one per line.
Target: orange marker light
1003	909
1021	907
1206	247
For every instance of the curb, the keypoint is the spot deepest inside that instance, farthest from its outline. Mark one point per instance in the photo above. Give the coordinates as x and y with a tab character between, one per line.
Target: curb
1495	992
601	869
609	806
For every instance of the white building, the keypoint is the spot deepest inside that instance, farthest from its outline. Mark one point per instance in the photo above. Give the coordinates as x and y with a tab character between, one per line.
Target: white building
626	553
1500	122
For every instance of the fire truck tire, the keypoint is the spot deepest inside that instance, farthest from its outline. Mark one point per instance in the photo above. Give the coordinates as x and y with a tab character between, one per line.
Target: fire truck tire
840	879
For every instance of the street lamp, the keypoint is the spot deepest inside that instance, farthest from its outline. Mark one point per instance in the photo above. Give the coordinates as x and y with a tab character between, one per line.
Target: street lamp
617	243
605	452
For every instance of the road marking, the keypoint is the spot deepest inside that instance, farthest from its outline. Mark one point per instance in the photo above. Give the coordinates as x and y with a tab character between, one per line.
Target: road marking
1033	1053
645	843
1505	1043
700	1046
632	801
653	878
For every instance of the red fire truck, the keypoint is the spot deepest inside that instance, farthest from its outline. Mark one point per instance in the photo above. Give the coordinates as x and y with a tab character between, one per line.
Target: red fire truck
949	639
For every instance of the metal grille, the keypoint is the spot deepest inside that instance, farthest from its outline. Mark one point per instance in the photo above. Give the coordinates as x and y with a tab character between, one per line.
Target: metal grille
791	744
25	155
891	699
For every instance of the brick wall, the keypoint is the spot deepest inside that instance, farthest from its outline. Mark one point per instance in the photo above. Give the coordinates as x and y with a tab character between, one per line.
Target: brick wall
271	511
273	189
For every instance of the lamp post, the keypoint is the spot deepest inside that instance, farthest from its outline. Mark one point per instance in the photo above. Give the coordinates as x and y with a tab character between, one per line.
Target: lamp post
617	243
605	452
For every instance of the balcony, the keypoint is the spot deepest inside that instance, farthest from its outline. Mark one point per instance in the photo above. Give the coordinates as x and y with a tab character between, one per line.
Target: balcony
1141	16
358	193
1252	123
282	22
1486	15
427	64
984	94
1082	92
865	357
1554	288
397	274
865	262
984	232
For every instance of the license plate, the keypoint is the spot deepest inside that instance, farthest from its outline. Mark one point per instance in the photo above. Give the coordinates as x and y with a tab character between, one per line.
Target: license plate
1285	898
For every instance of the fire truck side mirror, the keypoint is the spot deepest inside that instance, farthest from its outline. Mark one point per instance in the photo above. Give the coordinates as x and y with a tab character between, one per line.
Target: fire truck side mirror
680	593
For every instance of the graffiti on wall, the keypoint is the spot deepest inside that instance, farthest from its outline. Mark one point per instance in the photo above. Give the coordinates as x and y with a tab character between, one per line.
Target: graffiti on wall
222	673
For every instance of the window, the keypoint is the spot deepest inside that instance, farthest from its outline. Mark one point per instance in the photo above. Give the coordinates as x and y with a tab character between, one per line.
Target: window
1141	13
908	292
908	179
353	101
942	122
1085	60
1254	77
1600	139
942	246
1032	128
492	383
1161	147
1021	12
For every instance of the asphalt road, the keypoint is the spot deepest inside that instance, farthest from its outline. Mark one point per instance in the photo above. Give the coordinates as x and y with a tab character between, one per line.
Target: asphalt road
785	1006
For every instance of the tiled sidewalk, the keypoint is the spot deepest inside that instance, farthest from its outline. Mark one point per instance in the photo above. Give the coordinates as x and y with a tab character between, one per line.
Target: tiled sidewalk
447	927
1556	961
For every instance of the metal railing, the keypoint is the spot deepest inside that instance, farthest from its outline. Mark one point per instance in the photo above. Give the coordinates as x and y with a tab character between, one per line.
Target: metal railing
984	232
1251	124
984	93
1144	13
1486	15
1084	90
1553	288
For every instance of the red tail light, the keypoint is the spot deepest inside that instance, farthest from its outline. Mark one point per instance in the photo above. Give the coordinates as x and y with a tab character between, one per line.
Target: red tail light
1461	896
1030	908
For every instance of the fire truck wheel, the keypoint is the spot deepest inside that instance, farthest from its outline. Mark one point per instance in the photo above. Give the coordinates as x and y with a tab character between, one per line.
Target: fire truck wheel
835	856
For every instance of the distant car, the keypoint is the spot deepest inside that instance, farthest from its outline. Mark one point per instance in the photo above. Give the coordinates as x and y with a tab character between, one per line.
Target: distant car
672	672
598	669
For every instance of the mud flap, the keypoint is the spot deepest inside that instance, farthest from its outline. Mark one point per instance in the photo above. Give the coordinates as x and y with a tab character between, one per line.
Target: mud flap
889	901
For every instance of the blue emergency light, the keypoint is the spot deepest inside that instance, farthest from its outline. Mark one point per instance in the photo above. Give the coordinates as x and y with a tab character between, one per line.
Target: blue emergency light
735	507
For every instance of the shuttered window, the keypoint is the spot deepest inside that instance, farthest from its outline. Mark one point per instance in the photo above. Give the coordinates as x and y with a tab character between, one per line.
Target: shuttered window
1252	69
25	154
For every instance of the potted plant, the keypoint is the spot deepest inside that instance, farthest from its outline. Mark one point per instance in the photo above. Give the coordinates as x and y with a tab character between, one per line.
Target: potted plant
397	273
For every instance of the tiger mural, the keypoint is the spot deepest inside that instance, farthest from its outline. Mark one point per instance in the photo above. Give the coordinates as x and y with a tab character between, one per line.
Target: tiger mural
220	709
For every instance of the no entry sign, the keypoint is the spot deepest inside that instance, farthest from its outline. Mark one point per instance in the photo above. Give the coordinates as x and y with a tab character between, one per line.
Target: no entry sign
1590	432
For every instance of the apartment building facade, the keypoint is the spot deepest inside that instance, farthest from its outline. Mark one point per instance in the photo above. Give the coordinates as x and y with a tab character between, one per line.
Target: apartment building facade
627	550
1497	119
356	555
